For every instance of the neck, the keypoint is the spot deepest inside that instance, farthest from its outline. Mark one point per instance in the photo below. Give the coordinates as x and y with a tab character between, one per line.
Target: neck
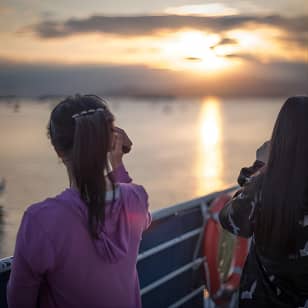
73	184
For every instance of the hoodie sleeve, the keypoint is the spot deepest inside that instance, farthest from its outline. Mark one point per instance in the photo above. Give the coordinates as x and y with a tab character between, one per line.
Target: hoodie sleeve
148	217
140	205
33	257
238	214
120	175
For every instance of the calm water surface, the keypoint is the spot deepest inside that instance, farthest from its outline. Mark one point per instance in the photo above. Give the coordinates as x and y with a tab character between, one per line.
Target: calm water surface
182	149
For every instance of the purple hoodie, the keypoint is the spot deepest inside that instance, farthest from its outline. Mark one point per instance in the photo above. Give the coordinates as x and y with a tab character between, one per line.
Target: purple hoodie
58	264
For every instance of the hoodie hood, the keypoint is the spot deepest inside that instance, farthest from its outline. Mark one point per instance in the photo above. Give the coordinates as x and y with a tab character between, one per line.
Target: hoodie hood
114	234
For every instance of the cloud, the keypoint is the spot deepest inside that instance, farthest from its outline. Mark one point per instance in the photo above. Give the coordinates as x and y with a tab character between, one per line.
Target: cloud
149	24
225	41
299	38
193	59
243	56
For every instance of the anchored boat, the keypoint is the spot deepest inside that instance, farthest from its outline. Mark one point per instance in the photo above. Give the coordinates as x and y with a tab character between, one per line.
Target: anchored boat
2	185
174	269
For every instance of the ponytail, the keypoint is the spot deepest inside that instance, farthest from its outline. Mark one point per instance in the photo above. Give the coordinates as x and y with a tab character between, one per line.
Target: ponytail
78	120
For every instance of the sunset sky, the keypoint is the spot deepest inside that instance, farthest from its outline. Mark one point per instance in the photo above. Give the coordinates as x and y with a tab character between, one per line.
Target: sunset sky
170	47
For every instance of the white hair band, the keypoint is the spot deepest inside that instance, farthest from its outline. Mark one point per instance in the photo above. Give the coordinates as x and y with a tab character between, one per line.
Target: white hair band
87	112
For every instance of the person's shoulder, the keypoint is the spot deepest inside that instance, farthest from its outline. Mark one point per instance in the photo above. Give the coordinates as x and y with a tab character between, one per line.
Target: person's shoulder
135	200
37	207
47	208
132	190
133	193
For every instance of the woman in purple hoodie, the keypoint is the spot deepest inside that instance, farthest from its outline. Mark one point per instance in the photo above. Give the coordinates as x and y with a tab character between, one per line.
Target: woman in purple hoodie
79	248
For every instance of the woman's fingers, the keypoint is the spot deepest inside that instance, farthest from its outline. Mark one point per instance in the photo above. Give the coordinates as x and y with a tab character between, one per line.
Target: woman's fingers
116	153
118	142
127	143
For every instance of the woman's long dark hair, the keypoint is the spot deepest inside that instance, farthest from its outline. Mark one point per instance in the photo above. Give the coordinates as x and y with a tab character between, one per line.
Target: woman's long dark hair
285	181
80	129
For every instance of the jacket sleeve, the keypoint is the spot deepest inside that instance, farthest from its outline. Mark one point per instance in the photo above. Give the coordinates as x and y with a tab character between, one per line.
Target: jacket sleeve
33	257
120	175
238	214
142	201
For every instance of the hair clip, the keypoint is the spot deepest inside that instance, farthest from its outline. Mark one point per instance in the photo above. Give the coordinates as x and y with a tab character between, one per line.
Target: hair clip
86	112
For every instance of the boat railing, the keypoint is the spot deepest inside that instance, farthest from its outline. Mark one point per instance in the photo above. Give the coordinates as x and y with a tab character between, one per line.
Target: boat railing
170	262
175	250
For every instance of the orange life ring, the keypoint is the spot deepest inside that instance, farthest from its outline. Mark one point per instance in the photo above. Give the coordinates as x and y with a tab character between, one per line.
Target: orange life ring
212	231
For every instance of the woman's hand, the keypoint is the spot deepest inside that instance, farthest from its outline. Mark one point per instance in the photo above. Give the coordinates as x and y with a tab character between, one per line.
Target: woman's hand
116	152
127	143
120	144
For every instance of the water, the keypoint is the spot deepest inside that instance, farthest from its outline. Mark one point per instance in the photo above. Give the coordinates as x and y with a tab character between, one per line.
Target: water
182	149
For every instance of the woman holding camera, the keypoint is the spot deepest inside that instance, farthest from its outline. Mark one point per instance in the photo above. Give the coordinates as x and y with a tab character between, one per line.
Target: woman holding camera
79	248
272	209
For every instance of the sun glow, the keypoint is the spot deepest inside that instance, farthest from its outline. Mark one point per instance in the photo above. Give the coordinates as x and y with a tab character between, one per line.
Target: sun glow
211	9
186	50
209	164
193	50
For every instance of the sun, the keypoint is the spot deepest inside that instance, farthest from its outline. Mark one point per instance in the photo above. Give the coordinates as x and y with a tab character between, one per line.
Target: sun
193	50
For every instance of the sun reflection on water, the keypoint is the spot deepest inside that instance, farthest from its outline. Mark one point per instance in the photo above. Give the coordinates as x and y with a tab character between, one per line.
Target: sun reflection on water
209	166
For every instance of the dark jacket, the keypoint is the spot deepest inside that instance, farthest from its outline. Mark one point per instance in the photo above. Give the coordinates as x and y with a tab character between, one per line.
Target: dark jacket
265	282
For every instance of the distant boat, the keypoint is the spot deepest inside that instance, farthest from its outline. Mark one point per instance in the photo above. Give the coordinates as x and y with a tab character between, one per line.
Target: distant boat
171	262
2	185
